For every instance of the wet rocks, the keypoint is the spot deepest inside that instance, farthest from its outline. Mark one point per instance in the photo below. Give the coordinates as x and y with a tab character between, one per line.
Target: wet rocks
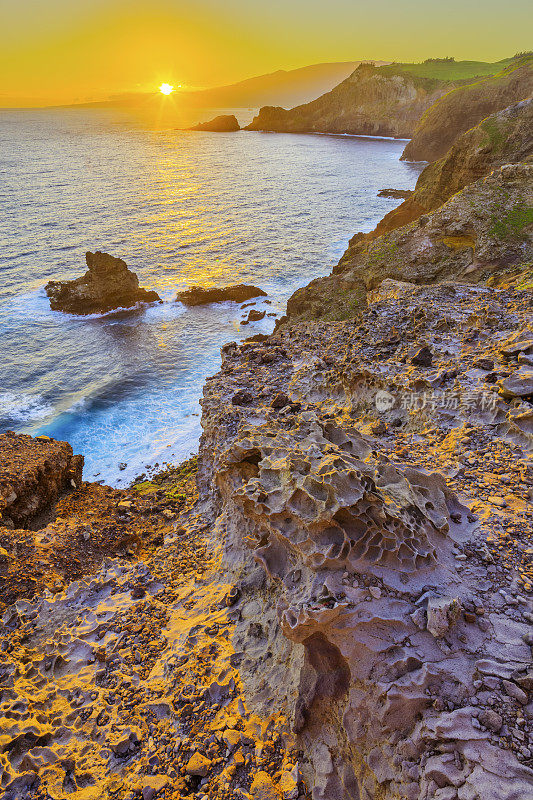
199	296
106	286
254	316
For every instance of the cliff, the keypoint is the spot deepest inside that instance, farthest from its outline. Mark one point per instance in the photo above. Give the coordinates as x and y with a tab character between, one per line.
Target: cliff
378	101
482	231
503	138
464	107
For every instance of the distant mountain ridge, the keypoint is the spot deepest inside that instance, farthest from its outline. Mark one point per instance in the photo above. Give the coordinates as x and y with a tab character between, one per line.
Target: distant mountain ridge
283	87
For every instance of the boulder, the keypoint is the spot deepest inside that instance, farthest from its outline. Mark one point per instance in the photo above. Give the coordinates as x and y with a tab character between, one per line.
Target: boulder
198	296
225	123
519	384
107	285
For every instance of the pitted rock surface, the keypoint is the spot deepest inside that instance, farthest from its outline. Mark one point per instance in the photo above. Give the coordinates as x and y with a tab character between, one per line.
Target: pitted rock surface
384	586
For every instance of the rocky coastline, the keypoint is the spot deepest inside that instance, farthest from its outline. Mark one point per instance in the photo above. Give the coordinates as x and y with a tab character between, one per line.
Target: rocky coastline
335	601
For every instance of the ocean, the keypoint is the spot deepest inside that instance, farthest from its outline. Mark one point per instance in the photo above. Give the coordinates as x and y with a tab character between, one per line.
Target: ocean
181	208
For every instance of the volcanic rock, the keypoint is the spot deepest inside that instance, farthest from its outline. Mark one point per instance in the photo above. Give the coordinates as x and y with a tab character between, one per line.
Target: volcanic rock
33	475
379	101
505	137
479	234
199	296
225	123
107	285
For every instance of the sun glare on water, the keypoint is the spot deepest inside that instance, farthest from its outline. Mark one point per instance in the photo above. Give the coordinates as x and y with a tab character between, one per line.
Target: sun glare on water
166	88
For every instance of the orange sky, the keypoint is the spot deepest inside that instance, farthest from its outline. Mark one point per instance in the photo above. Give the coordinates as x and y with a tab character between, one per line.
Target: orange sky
57	51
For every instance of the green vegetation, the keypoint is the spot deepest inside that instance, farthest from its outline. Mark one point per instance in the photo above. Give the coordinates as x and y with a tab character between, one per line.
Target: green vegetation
171	483
447	71
513	223
497	135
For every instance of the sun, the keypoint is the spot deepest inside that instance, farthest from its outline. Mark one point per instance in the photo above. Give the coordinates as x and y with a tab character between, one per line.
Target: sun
166	88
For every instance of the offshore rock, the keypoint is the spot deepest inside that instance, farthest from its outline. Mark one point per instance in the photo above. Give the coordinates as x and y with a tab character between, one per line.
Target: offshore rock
465	107
199	296
225	123
107	285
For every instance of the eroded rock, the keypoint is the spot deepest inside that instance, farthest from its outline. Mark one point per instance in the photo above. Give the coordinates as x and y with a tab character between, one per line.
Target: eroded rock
106	286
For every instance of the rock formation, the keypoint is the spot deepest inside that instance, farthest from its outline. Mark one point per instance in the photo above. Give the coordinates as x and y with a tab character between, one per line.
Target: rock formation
503	138
482	231
33	475
465	107
200	296
225	123
107	285
368	102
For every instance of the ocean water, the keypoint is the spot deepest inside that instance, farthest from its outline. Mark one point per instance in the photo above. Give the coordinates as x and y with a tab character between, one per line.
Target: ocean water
180	208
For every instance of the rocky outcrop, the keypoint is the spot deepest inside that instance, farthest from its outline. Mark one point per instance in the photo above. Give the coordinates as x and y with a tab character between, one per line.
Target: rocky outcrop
200	296
503	138
464	107
33	475
396	194
107	285
371	101
224	123
375	606
481	232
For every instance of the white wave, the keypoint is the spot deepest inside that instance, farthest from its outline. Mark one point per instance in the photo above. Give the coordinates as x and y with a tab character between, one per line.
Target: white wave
22	408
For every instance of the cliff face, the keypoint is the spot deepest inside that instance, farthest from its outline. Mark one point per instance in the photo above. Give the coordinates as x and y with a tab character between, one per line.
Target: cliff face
503	138
480	232
465	106
368	102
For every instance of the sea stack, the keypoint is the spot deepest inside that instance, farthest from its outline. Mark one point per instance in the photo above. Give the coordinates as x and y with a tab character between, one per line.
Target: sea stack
107	285
225	123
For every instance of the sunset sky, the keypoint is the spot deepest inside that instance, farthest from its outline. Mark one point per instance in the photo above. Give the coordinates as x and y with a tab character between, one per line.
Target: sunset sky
55	51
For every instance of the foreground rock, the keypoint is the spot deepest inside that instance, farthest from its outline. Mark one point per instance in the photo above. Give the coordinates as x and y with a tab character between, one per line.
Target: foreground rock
481	233
33	475
503	138
107	285
225	123
199	296
117	677
466	107
384	584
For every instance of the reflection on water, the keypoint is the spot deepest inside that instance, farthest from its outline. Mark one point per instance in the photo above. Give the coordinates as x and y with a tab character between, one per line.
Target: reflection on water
181	208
